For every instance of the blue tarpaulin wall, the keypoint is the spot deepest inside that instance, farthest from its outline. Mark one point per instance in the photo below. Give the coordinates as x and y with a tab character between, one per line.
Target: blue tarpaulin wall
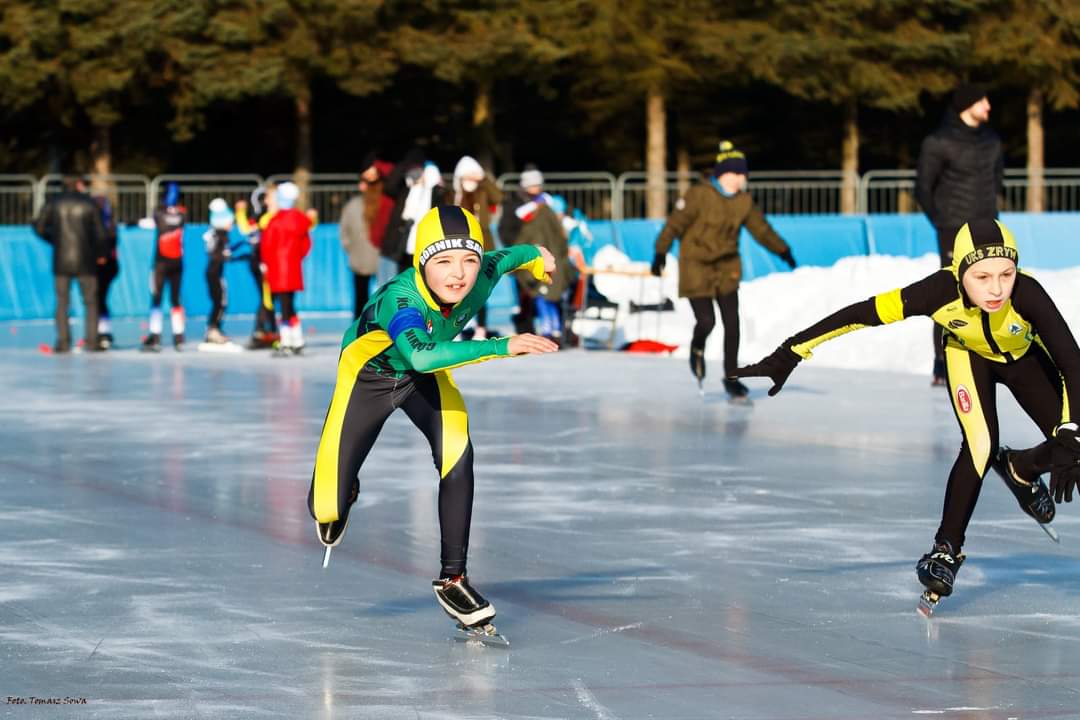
1047	241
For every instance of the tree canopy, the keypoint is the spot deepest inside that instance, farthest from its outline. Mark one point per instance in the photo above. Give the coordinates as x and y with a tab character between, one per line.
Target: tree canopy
187	85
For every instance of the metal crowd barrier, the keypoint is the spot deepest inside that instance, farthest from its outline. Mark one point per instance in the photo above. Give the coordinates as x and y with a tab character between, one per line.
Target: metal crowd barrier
600	195
128	194
17	199
591	192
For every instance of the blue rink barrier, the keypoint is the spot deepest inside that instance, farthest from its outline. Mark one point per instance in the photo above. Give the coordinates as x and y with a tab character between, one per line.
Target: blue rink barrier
1046	241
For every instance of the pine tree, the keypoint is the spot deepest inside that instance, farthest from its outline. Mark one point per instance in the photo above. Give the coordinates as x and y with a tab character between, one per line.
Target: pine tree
246	50
479	44
639	55
851	53
1033	45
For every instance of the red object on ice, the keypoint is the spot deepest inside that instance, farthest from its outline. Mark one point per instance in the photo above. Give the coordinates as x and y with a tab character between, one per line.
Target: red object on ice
45	348
649	346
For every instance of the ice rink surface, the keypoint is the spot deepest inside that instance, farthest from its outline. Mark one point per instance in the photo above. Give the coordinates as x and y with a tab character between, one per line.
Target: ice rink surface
651	554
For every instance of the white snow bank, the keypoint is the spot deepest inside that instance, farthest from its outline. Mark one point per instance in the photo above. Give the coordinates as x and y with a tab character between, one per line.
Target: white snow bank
776	306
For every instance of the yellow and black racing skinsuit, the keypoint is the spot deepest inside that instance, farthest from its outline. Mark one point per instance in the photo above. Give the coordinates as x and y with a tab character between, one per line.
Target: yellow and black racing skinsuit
398	355
1026	346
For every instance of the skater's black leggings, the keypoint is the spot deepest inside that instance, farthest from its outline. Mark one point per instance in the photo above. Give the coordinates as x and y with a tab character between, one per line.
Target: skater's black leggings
706	321
1035	383
166	270
219	296
287	302
264	314
105	275
360	405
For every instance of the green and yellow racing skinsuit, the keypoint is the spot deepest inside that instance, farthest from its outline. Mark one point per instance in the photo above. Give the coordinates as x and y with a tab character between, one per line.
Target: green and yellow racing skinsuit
397	355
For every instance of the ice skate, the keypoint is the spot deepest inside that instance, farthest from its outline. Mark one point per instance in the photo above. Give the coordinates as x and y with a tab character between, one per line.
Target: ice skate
262	340
1033	496
151	343
697	367
485	634
331	533
937	572
178	341
738	394
469	608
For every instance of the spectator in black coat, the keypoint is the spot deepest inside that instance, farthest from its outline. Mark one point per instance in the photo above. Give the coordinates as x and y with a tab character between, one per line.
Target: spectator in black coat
959	178
71	223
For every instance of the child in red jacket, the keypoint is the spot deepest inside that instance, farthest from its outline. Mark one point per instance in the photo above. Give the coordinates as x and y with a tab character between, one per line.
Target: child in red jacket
285	243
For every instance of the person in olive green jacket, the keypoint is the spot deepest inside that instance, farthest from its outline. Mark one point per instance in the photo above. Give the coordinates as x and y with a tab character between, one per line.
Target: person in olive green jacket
707	221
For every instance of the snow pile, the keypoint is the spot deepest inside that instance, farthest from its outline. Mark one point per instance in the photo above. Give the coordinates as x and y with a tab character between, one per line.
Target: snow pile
776	306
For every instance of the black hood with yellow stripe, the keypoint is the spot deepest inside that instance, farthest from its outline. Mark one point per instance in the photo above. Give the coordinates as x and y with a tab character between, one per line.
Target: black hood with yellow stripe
979	240
448	227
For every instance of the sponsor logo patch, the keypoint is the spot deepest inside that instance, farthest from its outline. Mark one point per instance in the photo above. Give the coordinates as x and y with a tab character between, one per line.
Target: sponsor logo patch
956	324
1015	328
963	399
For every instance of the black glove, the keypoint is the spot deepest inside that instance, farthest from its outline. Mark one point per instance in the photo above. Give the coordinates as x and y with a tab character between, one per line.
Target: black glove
776	367
1065	461
787	257
658	262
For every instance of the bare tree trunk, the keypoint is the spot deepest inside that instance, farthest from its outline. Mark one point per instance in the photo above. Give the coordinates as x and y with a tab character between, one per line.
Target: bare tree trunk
682	168
849	200
483	123
101	163
1035	160
655	156
302	173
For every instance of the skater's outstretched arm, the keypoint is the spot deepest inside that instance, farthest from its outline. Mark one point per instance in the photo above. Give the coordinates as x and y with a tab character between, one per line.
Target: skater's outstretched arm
920	298
532	258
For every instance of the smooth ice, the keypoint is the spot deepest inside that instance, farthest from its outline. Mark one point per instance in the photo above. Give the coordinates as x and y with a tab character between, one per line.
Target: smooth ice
651	554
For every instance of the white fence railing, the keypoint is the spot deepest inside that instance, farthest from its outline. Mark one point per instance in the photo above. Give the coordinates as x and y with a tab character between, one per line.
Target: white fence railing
600	195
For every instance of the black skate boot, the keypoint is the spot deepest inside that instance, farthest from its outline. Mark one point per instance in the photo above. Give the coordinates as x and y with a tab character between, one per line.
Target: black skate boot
937	572
331	533
697	364
178	341
151	343
737	392
1033	496
462	602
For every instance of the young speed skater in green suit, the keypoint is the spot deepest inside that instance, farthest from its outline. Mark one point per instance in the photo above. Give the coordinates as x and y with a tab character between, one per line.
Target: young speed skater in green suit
398	354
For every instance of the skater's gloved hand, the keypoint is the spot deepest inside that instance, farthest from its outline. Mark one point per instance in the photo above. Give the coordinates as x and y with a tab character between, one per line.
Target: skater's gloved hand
787	257
658	262
1065	462
776	367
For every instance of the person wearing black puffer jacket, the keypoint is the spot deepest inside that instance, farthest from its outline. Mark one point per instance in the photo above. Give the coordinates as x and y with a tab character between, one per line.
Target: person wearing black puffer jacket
71	223
959	178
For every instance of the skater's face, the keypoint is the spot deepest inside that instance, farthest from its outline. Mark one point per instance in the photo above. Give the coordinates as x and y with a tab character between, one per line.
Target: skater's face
732	182
989	283
451	274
